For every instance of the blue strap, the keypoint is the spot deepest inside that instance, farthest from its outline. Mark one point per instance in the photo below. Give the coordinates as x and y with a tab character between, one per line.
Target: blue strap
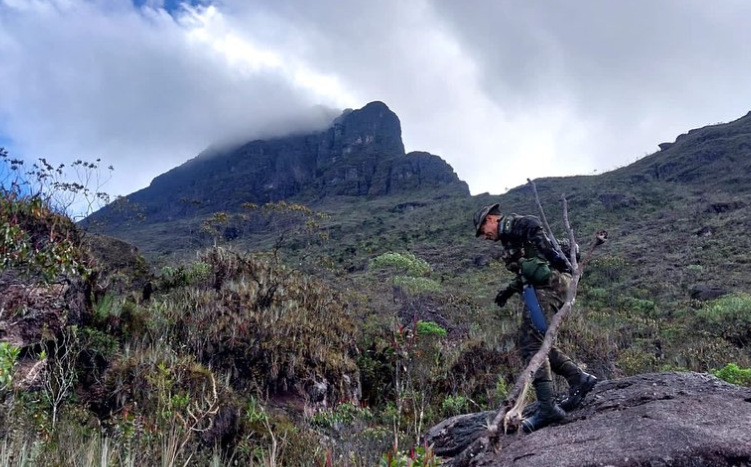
535	310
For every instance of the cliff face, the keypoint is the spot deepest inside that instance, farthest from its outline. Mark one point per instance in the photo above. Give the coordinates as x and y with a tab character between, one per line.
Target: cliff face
361	154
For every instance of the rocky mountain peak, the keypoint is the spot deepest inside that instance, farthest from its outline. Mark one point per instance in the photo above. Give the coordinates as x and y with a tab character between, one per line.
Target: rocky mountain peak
373	126
360	154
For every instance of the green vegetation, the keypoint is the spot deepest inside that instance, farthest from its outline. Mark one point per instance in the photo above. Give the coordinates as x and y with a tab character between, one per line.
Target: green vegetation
419	456
729	317
406	272
429	328
734	375
405	263
8	357
336	334
454	405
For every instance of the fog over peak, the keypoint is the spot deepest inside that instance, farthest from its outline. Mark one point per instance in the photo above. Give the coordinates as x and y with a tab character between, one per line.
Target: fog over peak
313	119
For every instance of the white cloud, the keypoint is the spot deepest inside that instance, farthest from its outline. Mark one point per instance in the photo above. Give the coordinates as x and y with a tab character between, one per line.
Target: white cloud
502	90
141	89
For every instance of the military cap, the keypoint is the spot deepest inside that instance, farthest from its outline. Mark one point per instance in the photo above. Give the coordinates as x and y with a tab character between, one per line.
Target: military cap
482	213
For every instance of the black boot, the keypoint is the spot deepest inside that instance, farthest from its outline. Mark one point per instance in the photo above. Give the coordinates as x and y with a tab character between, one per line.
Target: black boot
578	389
547	412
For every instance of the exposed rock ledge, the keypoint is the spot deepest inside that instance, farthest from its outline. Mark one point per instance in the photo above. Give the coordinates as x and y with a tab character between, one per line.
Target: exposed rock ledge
659	419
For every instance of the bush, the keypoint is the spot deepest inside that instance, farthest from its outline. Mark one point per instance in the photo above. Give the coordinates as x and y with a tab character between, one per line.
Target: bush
37	241
429	328
639	306
728	317
418	456
342	414
8	357
405	263
454	405
634	361
39	236
734	374
274	328
181	276
604	270
415	285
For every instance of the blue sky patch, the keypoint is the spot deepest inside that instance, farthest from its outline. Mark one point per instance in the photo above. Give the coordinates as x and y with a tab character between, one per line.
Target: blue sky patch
170	5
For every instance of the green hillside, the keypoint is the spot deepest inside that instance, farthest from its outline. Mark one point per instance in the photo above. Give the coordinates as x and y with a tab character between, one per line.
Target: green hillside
325	330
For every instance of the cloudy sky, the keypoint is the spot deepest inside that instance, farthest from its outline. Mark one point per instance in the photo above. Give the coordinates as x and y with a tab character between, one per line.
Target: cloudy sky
502	90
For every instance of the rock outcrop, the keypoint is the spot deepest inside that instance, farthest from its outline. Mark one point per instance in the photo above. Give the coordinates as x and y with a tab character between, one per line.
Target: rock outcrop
718	154
664	419
31	312
360	154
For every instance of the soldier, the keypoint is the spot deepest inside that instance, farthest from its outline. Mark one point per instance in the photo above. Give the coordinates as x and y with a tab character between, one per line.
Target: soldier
542	279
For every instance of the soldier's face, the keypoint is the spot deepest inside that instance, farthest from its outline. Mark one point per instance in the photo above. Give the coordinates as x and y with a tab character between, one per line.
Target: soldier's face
489	228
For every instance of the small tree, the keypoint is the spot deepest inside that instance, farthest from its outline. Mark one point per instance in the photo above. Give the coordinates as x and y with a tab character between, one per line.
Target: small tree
215	225
74	191
61	374
37	211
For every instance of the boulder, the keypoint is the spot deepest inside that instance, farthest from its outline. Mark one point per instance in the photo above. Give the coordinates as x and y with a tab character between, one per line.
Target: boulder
704	292
33	312
660	419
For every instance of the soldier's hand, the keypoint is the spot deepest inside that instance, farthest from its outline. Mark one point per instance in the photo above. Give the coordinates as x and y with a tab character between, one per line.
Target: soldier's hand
502	297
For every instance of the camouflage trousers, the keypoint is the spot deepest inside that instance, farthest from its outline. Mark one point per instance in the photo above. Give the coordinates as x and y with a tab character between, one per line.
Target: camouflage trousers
551	298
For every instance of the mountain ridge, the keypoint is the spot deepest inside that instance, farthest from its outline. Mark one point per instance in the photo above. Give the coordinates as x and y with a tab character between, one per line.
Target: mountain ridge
360	154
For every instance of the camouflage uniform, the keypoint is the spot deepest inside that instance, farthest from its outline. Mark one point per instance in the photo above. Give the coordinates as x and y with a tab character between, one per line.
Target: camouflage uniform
523	240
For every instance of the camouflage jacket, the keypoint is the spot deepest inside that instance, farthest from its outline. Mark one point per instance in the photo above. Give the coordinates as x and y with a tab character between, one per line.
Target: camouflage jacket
522	237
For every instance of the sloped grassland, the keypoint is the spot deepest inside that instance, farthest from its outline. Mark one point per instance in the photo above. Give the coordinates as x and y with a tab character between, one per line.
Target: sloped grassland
237	357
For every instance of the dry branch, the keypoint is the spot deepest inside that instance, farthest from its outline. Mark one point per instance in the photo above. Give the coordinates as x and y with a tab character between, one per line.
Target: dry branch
549	231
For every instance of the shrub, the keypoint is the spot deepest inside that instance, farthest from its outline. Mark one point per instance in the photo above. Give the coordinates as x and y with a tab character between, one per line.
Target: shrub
405	263
181	276
37	241
734	374
271	327
415	285
635	361
454	405
342	414
639	306
38	235
429	328
8	356
418	456
604	270
728	317
501	388
597	297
